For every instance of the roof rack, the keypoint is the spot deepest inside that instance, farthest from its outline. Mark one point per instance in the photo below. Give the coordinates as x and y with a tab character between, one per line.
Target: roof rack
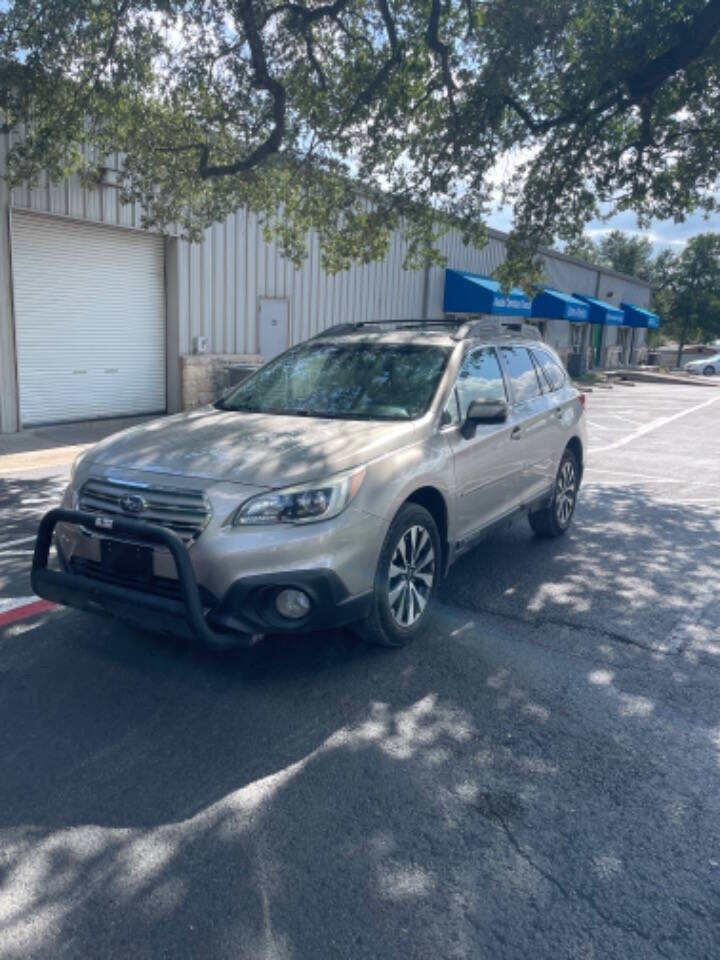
505	327
360	325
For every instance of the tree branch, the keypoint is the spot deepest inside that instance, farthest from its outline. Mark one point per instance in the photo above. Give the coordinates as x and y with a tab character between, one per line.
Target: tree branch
694	40
441	50
366	96
311	14
263	80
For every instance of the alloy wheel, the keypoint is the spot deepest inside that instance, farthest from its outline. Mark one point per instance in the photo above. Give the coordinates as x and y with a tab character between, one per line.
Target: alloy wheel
565	492
411	576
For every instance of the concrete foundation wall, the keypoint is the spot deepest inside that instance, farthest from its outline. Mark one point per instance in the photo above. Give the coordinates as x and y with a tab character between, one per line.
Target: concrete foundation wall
205	377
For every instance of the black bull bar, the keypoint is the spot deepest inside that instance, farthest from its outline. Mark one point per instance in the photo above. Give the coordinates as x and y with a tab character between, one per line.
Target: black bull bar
153	611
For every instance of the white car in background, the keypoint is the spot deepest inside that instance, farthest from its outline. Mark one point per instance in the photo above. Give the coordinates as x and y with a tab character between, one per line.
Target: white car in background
708	366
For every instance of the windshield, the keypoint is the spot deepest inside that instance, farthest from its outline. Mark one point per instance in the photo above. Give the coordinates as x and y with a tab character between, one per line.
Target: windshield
366	381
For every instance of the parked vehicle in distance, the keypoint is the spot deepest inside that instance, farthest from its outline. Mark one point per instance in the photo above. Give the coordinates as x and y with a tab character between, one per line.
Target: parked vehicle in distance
335	486
707	366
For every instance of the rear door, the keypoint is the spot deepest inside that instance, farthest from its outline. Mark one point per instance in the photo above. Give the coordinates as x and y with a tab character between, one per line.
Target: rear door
531	423
560	397
484	463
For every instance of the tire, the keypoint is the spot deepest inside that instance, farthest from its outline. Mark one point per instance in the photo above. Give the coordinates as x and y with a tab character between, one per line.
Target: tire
406	580
709	371
554	520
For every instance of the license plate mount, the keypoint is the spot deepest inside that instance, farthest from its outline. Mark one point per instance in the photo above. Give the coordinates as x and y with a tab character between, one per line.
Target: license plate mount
127	560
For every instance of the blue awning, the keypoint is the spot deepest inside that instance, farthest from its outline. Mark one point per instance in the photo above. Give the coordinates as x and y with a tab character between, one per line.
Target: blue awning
473	293
601	312
637	317
554	305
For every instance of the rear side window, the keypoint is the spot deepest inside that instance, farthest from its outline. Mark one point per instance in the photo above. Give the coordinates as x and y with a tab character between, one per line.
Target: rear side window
523	374
551	369
480	378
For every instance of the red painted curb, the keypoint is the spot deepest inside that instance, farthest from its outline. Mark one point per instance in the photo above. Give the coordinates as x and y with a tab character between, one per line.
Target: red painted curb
27	610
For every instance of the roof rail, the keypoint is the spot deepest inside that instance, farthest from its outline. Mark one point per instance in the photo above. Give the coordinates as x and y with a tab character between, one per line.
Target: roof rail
341	328
489	327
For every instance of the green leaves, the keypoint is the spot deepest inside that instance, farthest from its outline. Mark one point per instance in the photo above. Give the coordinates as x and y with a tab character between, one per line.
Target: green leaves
359	117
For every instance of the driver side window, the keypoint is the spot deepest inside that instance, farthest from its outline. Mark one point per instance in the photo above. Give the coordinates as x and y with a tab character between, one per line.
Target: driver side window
480	378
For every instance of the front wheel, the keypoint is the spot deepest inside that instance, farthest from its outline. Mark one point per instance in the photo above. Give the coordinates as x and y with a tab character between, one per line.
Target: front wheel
554	519
709	371
406	579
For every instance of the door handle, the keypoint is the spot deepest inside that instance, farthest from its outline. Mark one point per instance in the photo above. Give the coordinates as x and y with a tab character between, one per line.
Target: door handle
559	412
516	433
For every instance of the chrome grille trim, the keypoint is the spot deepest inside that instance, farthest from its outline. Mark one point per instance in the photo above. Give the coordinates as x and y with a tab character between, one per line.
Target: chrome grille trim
186	512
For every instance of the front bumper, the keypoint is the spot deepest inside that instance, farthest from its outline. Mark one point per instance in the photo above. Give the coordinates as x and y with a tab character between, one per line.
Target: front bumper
181	608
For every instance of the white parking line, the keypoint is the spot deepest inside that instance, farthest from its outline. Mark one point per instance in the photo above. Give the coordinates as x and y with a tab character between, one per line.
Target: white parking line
16	543
11	603
653	425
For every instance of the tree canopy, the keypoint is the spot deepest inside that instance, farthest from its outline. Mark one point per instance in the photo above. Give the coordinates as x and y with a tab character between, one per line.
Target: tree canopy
357	116
618	250
687	290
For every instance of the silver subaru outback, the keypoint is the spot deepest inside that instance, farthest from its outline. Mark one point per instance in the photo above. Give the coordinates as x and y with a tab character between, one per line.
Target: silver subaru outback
333	487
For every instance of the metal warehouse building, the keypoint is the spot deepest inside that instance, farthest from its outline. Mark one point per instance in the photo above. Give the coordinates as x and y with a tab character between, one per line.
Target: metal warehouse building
100	318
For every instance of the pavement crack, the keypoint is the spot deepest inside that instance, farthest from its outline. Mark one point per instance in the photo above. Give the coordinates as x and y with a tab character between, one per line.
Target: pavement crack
489	809
538	622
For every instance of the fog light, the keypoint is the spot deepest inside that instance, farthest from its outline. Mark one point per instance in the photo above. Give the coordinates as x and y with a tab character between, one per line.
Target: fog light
294	604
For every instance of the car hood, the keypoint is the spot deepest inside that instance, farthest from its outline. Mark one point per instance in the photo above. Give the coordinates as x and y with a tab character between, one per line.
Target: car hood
250	448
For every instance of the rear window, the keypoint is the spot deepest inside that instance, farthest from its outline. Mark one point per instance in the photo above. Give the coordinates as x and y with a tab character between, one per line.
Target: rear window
523	374
552	372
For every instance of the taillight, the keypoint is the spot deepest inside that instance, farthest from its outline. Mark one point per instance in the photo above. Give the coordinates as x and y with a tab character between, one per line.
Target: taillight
581	398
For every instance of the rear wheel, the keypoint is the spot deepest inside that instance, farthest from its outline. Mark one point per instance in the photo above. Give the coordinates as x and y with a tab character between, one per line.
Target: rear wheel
554	519
406	579
709	371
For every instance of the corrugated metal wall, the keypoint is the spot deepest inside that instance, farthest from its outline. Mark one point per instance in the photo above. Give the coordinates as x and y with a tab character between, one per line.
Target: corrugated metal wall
222	279
570	277
72	198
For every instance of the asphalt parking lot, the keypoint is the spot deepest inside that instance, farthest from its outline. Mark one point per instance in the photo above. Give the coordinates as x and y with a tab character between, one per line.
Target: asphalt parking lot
539	778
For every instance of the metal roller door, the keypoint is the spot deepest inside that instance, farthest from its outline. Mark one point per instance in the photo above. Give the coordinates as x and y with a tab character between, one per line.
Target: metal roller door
89	320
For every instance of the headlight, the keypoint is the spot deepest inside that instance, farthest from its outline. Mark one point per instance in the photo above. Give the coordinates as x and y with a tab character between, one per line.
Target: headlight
304	504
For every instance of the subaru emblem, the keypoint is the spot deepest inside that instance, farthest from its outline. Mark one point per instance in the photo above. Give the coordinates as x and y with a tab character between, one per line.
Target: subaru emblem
132	503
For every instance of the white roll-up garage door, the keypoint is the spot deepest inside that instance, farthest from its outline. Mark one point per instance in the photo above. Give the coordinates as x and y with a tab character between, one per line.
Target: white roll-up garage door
89	320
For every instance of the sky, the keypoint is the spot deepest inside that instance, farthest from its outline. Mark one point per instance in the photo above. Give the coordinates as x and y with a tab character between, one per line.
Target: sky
662	233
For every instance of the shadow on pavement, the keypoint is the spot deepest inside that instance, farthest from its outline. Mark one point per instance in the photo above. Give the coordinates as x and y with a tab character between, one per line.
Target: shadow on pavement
474	795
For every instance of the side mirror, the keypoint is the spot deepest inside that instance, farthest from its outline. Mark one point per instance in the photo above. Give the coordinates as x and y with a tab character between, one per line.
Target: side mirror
484	411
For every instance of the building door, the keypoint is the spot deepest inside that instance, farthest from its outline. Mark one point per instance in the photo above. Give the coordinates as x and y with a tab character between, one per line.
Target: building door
89	320
274	316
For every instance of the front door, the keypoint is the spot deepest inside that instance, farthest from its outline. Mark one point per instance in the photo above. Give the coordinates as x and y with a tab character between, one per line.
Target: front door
274	327
484	463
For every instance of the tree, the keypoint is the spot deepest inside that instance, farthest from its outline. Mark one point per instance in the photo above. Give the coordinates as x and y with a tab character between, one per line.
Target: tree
583	247
687	290
618	250
627	254
358	116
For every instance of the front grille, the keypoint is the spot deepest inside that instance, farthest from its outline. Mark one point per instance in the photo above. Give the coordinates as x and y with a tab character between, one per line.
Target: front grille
186	512
160	586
